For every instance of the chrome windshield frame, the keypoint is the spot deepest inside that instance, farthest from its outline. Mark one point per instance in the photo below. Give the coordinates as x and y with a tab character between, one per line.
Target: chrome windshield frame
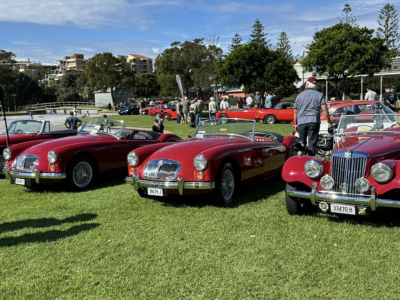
39	121
106	133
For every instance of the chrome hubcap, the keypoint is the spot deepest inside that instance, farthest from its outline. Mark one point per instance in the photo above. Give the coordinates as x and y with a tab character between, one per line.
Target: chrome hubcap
270	120
227	185
82	174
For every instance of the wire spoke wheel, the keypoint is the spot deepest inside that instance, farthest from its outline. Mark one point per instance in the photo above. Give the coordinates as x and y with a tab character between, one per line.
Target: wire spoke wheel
2	164
227	185
82	174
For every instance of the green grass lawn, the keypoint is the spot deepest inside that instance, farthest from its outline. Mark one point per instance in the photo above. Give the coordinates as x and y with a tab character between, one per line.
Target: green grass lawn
108	243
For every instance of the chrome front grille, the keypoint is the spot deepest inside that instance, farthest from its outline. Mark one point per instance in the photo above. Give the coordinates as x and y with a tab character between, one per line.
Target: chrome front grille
345	171
164	169
26	163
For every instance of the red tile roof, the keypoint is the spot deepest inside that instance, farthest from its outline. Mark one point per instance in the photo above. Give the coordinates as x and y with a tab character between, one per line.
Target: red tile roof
139	56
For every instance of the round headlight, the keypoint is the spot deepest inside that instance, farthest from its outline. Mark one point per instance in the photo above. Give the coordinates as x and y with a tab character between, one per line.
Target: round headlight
381	172
327	182
7	154
200	163
313	169
362	185
52	157
133	159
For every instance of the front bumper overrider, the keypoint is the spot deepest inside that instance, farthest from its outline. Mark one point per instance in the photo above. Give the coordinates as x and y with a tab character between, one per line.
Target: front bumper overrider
36	175
179	185
366	200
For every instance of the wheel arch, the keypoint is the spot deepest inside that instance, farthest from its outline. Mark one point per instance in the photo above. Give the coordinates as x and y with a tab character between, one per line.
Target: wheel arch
82	155
235	165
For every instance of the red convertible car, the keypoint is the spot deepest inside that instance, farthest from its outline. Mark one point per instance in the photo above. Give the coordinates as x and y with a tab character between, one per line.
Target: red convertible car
100	148
218	159
29	130
282	112
362	176
147	109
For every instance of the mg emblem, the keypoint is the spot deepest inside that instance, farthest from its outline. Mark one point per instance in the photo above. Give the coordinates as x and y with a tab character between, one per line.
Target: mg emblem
348	154
344	187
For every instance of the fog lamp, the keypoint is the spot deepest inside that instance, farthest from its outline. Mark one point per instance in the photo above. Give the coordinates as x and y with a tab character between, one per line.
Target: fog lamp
52	168
131	171
327	182
362	185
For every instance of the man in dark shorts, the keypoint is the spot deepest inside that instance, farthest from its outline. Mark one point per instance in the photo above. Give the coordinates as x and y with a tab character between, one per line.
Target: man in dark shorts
72	122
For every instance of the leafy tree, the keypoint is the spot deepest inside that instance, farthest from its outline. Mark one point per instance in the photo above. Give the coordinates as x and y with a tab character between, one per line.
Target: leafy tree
258	36
388	28
258	68
68	90
6	63
236	43
349	18
146	85
46	71
283	46
168	86
105	72
359	53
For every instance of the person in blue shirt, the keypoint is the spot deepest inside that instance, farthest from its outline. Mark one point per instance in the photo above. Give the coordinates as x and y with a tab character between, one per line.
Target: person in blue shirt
307	115
268	101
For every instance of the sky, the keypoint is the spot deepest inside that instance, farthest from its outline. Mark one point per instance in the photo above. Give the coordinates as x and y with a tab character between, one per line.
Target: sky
48	30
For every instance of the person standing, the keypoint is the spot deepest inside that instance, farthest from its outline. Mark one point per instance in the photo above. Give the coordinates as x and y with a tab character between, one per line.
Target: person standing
72	122
179	112
109	106
213	111
390	99
370	95
198	111
268	101
249	102
30	115
396	99
186	110
307	115
224	104
140	107
274	100
240	102
258	99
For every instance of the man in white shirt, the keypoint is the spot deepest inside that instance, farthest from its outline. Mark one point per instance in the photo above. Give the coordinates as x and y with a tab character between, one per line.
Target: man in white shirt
370	95
224	104
249	102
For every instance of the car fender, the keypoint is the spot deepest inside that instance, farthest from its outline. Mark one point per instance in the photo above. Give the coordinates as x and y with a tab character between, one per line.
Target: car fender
293	170
18	148
290	142
392	184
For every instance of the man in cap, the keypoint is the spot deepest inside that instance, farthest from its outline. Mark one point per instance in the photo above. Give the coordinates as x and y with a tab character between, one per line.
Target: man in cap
307	115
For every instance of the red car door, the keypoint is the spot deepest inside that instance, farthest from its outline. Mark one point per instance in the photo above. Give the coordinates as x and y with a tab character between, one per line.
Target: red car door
274	156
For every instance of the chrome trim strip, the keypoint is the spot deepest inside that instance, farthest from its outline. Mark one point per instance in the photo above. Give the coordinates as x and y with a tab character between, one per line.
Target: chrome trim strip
366	132
390	152
177	185
370	201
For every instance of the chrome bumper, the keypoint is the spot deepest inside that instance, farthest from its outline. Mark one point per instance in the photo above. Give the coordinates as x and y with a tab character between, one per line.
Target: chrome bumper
368	200
179	185
36	175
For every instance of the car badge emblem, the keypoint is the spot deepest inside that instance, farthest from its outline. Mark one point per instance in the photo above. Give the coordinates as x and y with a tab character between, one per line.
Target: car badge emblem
348	154
344	187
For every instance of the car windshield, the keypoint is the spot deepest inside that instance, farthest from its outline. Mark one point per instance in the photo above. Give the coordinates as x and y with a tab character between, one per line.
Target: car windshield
368	123
29	126
103	126
226	127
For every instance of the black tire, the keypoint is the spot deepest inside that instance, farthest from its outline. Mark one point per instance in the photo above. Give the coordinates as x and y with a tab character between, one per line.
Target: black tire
223	117
141	193
269	119
296	206
166	117
2	163
225	184
294	151
80	173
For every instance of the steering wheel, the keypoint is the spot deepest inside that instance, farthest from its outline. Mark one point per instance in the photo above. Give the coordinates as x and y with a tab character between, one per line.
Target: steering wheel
19	131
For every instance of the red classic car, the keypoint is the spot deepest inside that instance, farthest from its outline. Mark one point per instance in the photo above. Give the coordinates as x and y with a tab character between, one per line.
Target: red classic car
282	112
147	109
157	110
29	130
218	159
169	114
363	174
100	148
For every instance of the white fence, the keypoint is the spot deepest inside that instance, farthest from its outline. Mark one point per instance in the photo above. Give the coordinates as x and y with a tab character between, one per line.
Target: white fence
52	105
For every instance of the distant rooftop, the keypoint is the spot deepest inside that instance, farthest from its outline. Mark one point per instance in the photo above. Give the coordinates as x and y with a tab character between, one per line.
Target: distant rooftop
139	56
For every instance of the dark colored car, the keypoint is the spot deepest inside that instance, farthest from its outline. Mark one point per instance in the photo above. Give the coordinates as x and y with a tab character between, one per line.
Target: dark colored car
129	110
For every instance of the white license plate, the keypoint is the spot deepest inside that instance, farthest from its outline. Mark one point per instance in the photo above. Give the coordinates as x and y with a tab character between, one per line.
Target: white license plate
19	181
343	209
155	192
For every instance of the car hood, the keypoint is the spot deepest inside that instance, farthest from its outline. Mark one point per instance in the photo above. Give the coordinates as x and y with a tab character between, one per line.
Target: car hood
79	140
15	138
180	151
372	144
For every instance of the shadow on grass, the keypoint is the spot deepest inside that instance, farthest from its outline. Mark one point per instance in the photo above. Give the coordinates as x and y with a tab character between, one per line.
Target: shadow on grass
44	222
101	183
44	237
379	218
254	193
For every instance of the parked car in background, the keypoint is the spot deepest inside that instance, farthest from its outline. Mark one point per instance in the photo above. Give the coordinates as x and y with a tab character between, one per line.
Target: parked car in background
100	149
147	109
157	110
362	176
129	110
218	159
32	131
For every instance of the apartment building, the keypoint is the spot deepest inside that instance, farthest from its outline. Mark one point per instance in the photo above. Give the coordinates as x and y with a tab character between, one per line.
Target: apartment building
140	64
70	64
30	69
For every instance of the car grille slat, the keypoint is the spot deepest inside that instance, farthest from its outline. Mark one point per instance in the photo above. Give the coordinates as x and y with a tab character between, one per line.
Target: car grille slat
26	162
345	171
163	169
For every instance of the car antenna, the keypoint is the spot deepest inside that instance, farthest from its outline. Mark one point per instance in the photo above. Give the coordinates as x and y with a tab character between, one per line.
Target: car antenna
4	114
